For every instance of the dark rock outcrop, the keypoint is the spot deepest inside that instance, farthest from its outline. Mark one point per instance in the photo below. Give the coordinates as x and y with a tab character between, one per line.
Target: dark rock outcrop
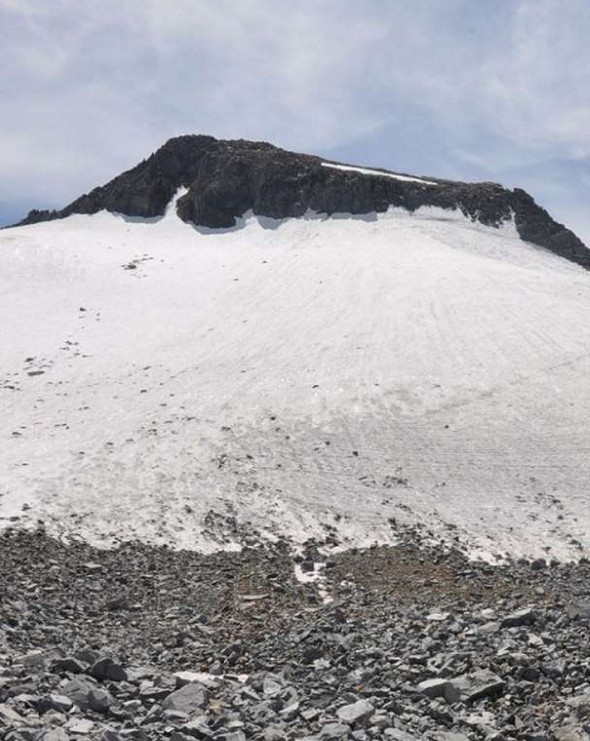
225	179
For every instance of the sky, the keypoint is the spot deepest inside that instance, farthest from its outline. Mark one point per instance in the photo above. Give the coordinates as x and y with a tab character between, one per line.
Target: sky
465	89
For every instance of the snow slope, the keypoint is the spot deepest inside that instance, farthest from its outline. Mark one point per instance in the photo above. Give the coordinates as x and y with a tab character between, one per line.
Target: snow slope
185	386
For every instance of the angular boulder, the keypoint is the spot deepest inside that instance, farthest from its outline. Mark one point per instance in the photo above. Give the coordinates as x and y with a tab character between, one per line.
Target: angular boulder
473	686
87	695
355	712
190	699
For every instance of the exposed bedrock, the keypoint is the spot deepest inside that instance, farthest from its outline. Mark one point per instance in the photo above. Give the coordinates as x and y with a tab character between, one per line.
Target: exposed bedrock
225	179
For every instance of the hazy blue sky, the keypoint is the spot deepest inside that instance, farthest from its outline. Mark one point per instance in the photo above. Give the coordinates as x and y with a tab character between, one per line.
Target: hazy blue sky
472	89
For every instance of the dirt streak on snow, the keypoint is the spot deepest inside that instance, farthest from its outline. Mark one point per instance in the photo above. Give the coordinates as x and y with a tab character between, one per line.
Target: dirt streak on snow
175	386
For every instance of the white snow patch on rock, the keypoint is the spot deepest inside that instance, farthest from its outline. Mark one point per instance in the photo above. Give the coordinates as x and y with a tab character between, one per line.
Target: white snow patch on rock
380	173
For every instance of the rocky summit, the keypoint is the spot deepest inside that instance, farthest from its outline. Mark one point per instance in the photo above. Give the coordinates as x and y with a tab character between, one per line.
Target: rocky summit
226	179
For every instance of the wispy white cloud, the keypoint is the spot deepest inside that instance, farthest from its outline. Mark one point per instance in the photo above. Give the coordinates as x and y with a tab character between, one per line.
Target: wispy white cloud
89	88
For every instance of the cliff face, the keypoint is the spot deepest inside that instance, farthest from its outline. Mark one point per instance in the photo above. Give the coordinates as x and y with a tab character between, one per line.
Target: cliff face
225	179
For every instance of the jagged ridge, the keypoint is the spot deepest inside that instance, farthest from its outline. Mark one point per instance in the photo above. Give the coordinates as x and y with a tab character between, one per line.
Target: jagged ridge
225	179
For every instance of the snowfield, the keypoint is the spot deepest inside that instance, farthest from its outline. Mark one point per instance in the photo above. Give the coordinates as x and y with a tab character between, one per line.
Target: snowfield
189	387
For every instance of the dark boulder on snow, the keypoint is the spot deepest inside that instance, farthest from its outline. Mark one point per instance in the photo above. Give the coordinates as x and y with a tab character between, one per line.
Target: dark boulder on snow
226	179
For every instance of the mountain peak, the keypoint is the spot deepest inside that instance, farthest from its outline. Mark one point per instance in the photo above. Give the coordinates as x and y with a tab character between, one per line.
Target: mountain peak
225	179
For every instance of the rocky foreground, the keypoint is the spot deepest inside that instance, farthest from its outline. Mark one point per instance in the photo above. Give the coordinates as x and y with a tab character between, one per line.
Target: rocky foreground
397	643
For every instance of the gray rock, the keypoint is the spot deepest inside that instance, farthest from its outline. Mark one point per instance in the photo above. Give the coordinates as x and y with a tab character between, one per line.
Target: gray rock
396	734
271	687
197	728
473	686
579	609
133	734
355	712
92	566
106	668
437	617
190	699
580	705
380	721
87	695
490	627
67	665
53	734
150	692
205	630
238	735
80	726
334	731
570	732
263	712
61	703
483	720
109	734
9	716
433	687
87	655
516	619
153	715
310	714
273	734
34	660
175	716
139	673
290	712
